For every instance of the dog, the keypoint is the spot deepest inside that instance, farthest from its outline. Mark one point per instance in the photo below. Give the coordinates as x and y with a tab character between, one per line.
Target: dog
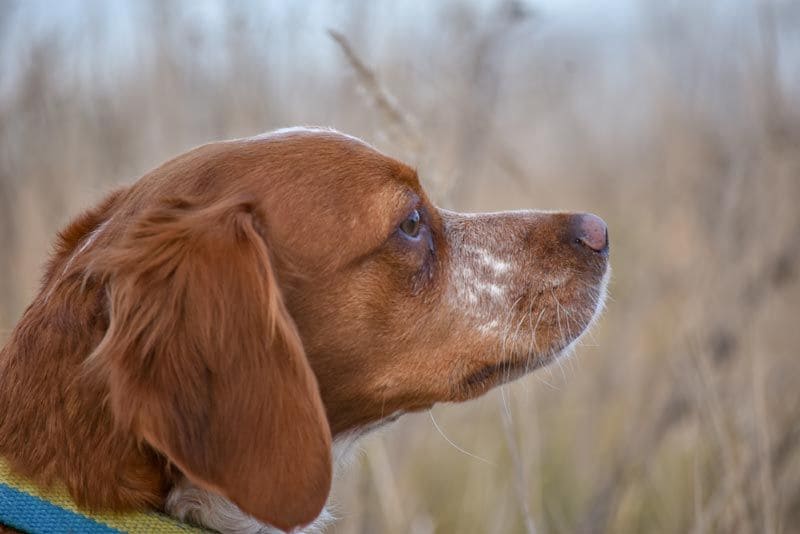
207	340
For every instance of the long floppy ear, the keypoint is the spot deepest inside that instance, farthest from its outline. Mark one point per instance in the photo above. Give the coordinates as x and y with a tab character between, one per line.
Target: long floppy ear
204	362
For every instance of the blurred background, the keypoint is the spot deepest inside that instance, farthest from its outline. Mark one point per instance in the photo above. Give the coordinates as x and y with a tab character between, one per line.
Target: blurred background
678	122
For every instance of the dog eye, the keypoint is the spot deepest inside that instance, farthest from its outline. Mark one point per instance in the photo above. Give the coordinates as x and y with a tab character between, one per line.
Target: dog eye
410	226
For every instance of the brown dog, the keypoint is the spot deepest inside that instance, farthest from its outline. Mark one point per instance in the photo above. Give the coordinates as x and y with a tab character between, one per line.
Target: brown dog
204	337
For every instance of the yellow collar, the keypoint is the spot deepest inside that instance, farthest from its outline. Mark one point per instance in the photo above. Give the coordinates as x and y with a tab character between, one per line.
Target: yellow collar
25	507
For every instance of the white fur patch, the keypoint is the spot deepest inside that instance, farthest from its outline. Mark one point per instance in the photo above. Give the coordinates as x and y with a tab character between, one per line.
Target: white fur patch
479	286
494	263
491	327
189	503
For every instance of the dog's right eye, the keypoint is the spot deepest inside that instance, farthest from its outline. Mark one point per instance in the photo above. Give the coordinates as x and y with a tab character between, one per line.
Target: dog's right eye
411	225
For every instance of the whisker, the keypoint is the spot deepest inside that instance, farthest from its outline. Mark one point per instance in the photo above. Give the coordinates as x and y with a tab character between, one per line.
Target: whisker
506	362
545	382
507	323
505	402
533	345
456	447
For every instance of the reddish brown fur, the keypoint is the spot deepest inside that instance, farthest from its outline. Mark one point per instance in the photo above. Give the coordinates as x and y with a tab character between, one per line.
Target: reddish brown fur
239	306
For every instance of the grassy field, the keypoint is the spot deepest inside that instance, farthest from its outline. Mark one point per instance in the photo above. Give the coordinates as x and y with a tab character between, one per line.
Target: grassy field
678	123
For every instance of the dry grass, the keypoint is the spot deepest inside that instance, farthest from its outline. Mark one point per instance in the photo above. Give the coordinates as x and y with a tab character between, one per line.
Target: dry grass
681	413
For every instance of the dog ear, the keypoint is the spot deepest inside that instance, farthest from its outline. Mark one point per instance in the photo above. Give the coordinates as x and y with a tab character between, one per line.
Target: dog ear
204	362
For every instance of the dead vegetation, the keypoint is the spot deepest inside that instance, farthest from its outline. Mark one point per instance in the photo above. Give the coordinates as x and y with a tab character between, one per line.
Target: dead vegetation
679	125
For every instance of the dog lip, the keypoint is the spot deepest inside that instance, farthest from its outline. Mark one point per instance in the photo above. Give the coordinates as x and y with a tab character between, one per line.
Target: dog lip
508	369
483	374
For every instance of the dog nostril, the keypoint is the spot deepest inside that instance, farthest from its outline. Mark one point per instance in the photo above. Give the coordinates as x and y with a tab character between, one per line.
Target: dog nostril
591	230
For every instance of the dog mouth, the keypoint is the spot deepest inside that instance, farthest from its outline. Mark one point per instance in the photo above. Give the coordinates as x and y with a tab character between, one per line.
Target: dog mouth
502	372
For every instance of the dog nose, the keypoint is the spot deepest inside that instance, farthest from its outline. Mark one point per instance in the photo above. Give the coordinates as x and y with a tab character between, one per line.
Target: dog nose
591	230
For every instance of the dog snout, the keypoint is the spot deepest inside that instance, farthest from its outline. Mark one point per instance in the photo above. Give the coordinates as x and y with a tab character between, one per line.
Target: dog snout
590	231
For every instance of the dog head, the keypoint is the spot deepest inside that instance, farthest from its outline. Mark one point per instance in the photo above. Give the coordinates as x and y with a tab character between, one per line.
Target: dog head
251	300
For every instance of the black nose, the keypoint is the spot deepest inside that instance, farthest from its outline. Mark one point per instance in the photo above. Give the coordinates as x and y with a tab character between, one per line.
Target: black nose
591	231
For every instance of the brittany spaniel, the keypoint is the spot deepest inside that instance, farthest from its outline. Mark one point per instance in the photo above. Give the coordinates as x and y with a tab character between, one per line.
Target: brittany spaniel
206	338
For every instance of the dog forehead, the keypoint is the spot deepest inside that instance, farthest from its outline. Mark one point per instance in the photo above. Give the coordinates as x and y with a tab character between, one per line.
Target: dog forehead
320	158
349	195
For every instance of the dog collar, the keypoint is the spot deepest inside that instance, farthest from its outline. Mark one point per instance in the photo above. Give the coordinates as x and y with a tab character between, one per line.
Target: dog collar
25	507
